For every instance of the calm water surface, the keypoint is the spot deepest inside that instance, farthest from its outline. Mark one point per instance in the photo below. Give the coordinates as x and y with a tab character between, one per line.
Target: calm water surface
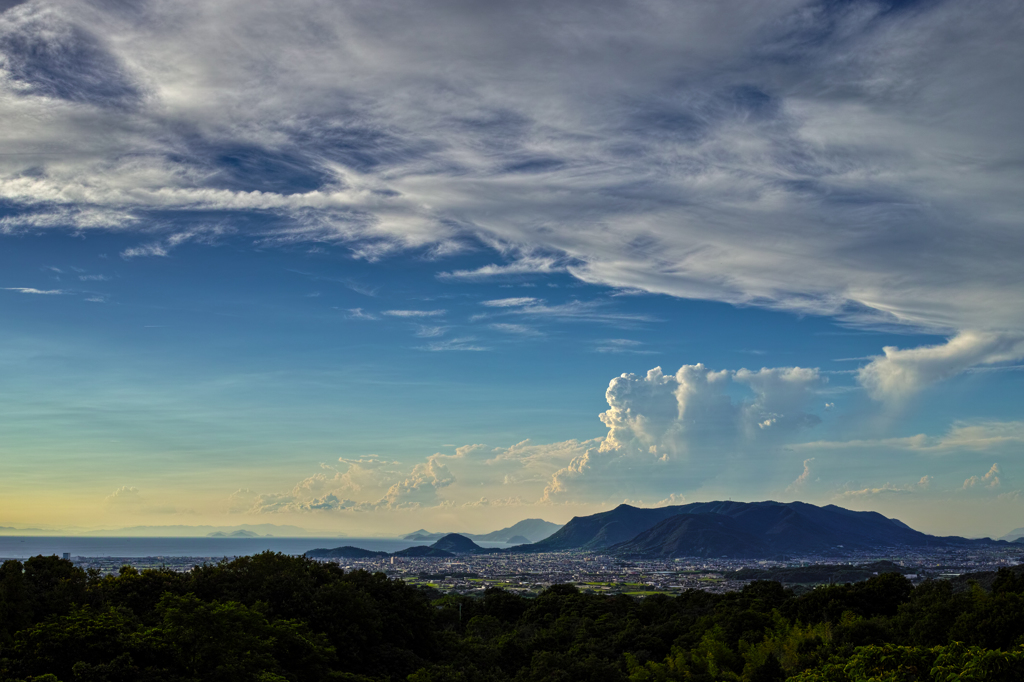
12	547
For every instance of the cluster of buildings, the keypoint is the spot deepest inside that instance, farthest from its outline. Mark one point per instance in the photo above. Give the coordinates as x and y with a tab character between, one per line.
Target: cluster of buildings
529	574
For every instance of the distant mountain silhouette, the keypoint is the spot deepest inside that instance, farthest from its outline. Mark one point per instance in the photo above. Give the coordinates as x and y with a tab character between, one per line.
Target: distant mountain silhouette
233	534
736	529
456	544
531	529
517	540
1013	535
423	535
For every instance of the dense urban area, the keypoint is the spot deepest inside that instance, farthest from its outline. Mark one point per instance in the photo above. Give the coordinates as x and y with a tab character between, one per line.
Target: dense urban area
529	574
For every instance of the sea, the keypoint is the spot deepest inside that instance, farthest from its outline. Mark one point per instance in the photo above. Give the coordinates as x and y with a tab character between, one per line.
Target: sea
23	547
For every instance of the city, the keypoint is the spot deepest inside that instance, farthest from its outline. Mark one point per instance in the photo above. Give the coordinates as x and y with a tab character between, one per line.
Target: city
529	574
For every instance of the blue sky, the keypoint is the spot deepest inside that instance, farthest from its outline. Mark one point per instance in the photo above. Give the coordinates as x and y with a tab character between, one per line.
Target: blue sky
364	268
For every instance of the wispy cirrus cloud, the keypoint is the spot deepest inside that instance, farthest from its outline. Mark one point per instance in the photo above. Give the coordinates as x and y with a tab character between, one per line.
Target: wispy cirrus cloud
582	311
510	302
853	161
464	343
32	290
961	437
516	329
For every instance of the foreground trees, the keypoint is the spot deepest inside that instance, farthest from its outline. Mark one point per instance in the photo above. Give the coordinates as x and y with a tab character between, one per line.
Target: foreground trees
271	618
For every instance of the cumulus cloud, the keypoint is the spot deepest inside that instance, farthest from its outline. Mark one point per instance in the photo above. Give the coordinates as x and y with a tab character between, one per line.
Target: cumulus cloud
125	495
989	480
802	478
421	487
667	432
900	373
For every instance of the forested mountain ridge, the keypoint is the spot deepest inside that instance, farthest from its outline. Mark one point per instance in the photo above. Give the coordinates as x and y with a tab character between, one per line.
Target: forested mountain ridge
737	529
270	617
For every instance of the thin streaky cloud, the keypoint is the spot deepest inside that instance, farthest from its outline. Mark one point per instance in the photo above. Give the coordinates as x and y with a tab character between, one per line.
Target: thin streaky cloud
510	302
466	343
31	290
518	329
414	313
427	332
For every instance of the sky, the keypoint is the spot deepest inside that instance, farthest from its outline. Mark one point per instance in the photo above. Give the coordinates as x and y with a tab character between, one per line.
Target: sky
365	267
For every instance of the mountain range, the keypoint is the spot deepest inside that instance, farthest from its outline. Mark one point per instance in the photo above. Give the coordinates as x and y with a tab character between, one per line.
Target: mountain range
737	529
704	529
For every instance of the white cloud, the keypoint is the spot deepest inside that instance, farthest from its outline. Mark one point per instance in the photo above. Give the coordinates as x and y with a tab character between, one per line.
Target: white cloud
414	313
900	373
961	437
360	314
802	479
125	495
464	343
623	346
848	161
30	290
146	250
520	266
509	302
518	329
421	487
989	480
583	311
672	432
427	332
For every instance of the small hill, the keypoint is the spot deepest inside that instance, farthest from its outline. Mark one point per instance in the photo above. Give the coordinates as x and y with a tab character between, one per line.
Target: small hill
517	540
346	552
421	551
456	544
243	534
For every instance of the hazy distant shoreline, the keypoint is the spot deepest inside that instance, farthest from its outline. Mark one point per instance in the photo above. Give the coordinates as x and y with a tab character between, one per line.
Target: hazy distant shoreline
22	547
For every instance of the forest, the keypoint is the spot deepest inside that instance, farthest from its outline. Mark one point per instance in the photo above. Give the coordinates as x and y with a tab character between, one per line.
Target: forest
272	618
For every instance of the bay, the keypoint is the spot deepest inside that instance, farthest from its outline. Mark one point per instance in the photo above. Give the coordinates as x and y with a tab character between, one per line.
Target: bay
23	547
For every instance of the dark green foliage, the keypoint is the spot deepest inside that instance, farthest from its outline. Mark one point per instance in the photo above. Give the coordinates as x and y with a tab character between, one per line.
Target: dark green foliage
273	618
